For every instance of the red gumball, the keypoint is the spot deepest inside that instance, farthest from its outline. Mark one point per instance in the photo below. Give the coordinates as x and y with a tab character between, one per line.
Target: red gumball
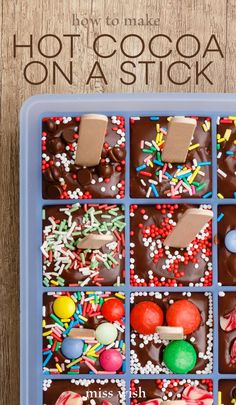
146	316
113	309
184	314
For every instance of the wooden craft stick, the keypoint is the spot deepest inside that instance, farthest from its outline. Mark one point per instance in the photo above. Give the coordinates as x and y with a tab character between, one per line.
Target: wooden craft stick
179	135
84	334
95	241
92	131
187	228
170	332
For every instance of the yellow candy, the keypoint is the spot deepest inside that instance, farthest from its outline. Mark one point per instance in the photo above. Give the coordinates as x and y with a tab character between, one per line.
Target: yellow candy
64	307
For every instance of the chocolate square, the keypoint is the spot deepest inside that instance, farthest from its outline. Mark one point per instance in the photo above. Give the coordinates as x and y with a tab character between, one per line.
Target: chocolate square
226	258
98	390
152	264
228	391
174	389
152	178
147	350
227	338
64	264
63	179
87	315
226	157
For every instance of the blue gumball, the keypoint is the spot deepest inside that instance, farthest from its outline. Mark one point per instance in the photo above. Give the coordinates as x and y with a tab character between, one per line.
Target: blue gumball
230	241
72	348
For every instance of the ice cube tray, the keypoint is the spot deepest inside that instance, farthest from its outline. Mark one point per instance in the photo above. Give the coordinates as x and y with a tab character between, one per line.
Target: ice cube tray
31	204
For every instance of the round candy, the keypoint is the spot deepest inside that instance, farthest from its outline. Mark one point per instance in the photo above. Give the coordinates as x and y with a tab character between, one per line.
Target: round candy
106	333
113	309
145	317
64	307
180	356
111	360
184	314
72	348
230	241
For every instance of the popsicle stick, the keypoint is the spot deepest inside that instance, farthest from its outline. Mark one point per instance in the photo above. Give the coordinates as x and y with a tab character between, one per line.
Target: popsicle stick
95	241
92	131
170	332
84	334
187	228
179	135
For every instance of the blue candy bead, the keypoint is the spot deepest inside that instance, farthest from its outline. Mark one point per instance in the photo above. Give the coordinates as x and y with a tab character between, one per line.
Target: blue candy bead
230	241
72	348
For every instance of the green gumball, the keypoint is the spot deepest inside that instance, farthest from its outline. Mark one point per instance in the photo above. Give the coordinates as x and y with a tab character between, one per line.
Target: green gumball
180	356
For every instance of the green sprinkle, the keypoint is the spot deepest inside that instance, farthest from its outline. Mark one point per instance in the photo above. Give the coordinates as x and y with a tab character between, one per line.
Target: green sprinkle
82	257
56	319
201	186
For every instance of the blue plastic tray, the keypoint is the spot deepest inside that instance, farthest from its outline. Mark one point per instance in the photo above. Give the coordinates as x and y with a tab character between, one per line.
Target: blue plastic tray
31	204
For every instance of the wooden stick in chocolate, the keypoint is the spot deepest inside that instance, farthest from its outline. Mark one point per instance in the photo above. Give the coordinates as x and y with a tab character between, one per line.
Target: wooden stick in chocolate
179	135
84	334
95	241
170	332
92	131
187	228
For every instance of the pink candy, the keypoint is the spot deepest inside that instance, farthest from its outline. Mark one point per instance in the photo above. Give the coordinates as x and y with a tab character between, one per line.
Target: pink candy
69	398
111	360
228	322
197	396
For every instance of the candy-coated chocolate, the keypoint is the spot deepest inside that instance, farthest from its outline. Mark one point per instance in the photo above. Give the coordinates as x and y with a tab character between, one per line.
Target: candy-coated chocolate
64	307
230	241
185	314
106	333
111	360
72	348
180	356
113	309
146	316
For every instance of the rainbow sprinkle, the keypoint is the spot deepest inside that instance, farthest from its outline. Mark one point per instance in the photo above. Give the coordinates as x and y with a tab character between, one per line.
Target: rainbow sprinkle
226	156
182	180
87	315
64	263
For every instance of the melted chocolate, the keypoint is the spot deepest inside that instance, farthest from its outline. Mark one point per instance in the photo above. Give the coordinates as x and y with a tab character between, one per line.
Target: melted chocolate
91	323
154	351
226	339
145	390
226	259
141	254
145	129
228	390
227	163
61	138
92	390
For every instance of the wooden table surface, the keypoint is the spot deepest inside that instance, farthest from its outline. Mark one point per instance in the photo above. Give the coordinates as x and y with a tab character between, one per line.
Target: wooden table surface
201	18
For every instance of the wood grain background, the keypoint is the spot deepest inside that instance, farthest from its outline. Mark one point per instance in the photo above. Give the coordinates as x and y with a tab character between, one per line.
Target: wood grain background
39	17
